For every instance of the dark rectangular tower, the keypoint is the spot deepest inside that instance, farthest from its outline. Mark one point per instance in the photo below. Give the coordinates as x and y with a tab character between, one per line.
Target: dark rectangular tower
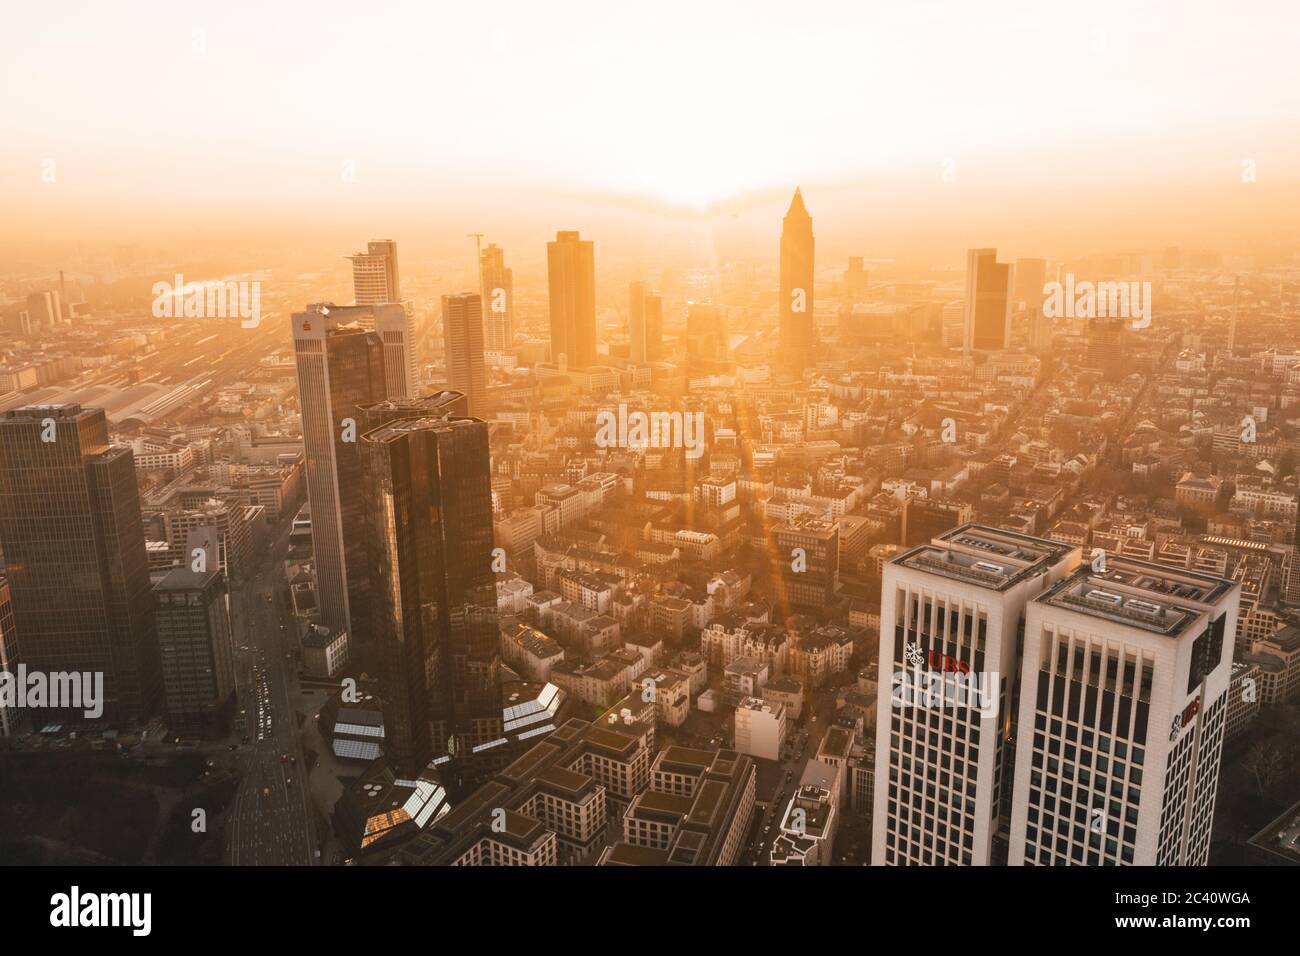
75	556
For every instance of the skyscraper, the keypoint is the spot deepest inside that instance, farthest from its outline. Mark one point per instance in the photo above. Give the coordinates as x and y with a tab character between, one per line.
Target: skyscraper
374	274
75	555
395	323
497	286
375	283
8	654
636	332
44	310
953	324
654	326
951	613
198	664
1030	276
435	404
855	282
1123	700
797	314
428	486
706	332
462	329
988	301
340	369
571	275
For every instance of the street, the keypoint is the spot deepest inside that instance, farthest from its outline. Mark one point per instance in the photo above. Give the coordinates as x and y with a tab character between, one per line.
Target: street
270	819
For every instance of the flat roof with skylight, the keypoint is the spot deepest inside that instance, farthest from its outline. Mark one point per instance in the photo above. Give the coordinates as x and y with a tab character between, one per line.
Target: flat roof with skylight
1152	597
988	557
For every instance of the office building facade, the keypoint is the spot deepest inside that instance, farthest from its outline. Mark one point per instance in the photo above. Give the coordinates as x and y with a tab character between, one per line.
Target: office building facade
429	504
341	367
75	556
195	647
988	301
462	326
497	288
1122	717
571	278
798	329
950	620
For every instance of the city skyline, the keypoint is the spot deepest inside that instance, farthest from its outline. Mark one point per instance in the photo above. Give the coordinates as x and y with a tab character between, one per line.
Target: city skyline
711	436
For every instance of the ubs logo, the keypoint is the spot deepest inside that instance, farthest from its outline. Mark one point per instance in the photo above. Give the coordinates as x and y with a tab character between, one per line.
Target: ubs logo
1182	720
939	661
915	656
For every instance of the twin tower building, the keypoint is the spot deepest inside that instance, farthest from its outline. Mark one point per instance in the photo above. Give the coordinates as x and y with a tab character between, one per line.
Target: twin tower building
401	509
1093	732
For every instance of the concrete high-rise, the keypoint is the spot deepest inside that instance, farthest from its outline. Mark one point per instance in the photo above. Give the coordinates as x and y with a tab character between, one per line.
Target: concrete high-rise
988	301
75	556
571	277
953	324
497	287
194	642
375	279
808	561
798	317
1123	700
375	283
462	329
428	489
951	613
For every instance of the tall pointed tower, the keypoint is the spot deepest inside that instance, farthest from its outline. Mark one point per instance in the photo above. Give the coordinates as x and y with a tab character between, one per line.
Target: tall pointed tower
798	326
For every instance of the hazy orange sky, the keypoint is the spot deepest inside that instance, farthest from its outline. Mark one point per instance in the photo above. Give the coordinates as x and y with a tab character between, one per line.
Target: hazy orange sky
173	115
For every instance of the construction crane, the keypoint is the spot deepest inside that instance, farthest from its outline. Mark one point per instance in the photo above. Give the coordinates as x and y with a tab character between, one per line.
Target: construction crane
478	258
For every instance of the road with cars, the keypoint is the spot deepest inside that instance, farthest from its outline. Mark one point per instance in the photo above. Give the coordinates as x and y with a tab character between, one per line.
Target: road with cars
270	819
